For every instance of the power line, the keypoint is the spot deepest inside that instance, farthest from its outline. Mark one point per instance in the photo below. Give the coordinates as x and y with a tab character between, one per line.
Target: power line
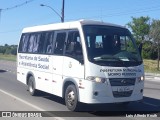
137	11
16	6
133	11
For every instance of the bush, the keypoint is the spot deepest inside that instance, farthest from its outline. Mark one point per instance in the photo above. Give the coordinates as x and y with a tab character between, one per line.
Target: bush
149	51
8	49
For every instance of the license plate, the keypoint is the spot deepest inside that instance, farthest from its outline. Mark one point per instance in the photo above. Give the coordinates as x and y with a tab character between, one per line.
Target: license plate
123	89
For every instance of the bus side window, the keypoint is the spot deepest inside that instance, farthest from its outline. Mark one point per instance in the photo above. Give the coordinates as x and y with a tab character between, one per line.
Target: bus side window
73	45
48	42
41	44
31	43
59	43
23	43
36	43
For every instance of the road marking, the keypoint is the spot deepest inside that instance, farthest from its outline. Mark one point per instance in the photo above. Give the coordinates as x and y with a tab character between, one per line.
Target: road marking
22	100
29	104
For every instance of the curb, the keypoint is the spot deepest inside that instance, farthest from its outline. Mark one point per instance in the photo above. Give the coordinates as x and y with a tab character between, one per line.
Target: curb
153	77
157	78
153	74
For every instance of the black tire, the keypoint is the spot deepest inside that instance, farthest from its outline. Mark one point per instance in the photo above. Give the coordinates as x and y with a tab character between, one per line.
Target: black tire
31	86
71	98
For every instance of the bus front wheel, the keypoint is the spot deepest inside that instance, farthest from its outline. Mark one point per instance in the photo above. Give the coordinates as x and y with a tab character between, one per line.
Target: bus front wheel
71	98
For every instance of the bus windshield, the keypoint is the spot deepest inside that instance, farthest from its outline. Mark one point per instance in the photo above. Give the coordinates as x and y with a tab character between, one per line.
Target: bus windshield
111	46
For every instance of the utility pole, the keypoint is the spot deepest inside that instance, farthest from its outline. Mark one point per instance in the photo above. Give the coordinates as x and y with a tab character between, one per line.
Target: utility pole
62	11
62	17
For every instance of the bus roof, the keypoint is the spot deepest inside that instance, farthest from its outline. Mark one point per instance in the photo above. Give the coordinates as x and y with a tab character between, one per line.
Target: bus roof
66	25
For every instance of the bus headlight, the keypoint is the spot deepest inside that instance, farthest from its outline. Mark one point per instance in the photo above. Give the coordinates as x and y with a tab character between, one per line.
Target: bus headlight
96	79
139	79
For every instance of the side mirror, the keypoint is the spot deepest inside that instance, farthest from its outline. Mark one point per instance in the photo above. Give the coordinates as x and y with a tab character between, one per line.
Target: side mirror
140	48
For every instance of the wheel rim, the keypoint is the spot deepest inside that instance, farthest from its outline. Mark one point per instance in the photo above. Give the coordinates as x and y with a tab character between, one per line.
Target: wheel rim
31	87
71	98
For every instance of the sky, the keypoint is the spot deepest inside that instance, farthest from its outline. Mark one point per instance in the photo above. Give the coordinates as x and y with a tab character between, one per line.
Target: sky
15	15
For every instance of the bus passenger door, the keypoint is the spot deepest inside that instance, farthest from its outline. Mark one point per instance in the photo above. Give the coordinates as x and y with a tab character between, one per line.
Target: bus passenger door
57	62
73	66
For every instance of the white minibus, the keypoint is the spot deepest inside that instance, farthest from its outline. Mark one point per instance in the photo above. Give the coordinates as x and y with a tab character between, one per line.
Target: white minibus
82	61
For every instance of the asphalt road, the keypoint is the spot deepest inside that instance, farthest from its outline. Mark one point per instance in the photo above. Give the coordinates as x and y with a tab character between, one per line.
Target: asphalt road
15	97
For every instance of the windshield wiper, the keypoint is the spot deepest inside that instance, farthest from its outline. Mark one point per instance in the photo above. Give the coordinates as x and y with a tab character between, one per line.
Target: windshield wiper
106	57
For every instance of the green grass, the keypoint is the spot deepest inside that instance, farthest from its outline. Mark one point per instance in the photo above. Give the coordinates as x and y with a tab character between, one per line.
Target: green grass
150	66
8	57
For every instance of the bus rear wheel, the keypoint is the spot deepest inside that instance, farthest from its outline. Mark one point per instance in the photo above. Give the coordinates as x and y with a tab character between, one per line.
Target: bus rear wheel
31	86
71	98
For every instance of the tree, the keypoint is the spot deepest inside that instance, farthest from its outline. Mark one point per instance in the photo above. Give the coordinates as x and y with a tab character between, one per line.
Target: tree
140	27
14	49
8	49
149	51
155	35
2	50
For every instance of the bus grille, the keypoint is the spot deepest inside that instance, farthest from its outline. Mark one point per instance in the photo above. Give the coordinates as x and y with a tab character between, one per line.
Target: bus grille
122	94
122	81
